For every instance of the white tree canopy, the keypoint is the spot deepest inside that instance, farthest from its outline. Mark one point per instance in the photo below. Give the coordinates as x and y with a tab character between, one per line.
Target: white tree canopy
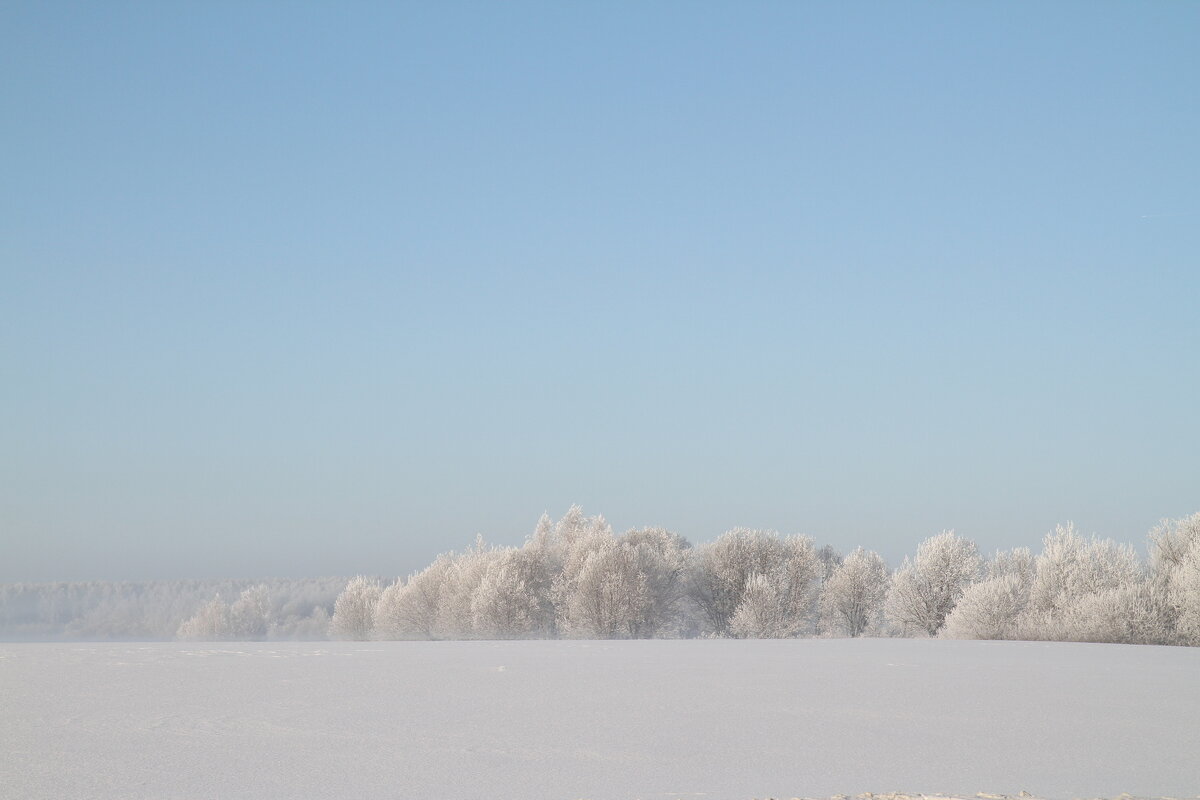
354	612
925	589
852	597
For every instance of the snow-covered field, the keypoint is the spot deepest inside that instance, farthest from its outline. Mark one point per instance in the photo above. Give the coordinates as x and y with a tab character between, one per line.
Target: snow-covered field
575	719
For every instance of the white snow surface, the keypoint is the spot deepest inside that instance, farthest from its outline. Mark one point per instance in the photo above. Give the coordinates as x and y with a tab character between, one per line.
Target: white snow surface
589	719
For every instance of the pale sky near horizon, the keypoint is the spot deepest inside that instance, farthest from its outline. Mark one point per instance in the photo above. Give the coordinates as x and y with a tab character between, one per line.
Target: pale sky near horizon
299	289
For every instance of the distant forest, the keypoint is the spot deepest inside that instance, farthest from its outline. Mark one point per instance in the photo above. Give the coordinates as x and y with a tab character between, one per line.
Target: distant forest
156	610
576	578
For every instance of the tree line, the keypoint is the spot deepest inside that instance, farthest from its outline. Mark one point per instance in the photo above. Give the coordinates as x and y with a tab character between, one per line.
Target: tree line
575	578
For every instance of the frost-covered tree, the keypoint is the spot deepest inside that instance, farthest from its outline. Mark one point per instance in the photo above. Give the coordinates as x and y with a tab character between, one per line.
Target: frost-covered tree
539	564
1018	562
990	609
249	616
503	605
663	558
1173	541
762	614
354	611
1071	568
797	581
1072	573
830	560
1093	590
569	549
722	570
565	545
925	589
602	586
1175	571
387	612
1134	613
609	596
210	623
413	608
852	596
465	573
1185	600
993	608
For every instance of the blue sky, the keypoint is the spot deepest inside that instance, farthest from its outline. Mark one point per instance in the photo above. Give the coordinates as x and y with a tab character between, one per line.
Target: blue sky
297	289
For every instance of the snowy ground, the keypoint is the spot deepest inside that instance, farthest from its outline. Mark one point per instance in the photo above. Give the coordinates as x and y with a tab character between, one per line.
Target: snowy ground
657	719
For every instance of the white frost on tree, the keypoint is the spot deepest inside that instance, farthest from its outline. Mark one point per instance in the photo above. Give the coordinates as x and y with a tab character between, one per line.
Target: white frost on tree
608	597
989	609
413	608
852	596
1018	562
723	568
354	611
1078	584
1071	568
210	623
570	547
387	611
1185	599
722	571
249	616
464	574
1175	569
602	586
993	608
762	613
663	558
925	589
1133	613
503	605
540	562
830	560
